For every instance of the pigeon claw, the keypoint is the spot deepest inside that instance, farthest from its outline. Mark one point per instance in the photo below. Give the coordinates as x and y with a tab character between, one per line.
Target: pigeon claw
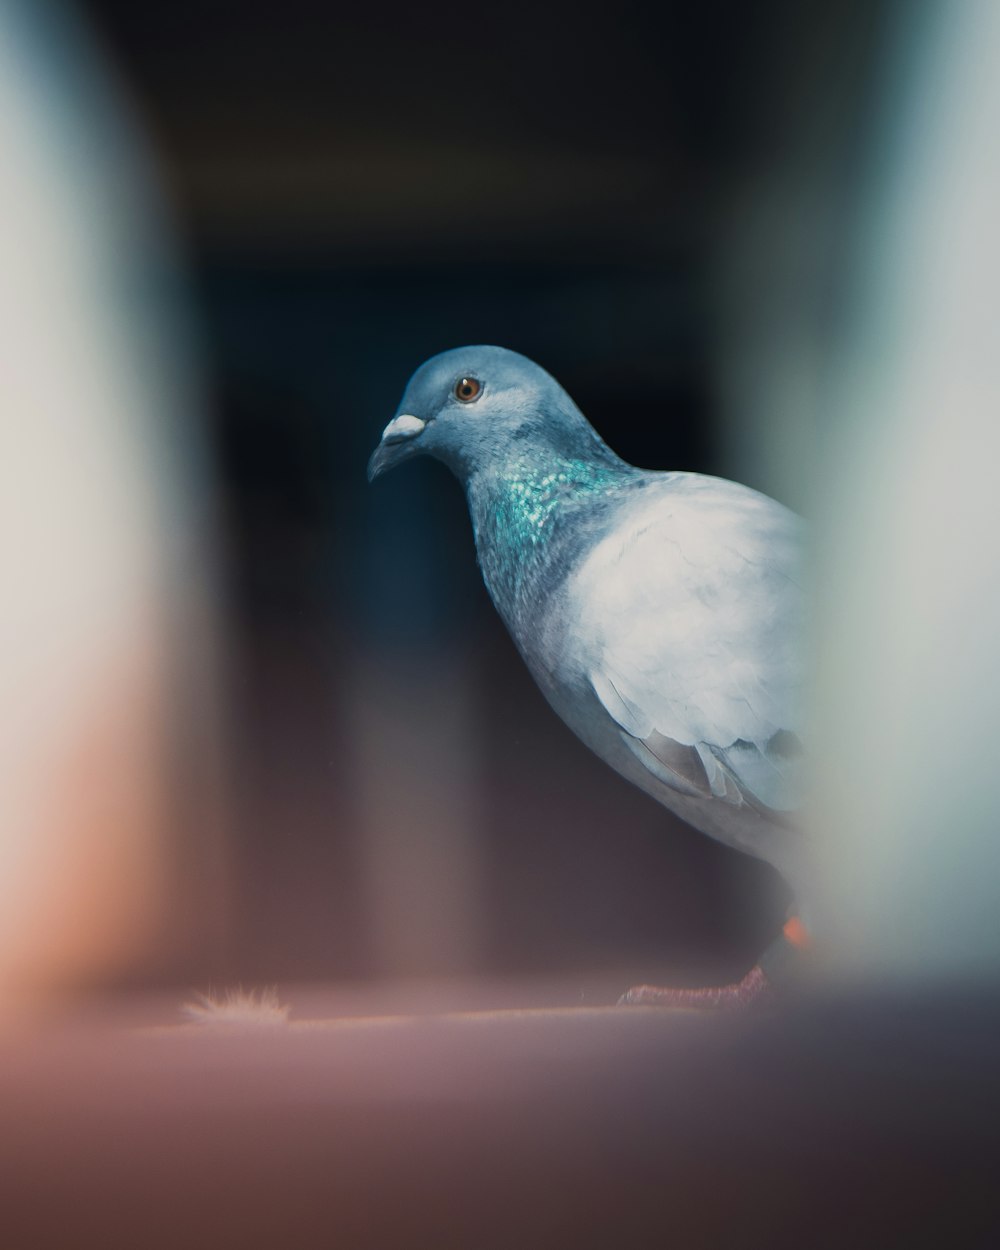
753	990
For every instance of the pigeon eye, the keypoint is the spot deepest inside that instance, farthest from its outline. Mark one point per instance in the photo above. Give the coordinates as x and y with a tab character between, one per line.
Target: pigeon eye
468	389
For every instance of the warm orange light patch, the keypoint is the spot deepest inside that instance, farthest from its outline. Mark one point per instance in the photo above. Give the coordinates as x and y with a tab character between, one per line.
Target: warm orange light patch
797	934
89	873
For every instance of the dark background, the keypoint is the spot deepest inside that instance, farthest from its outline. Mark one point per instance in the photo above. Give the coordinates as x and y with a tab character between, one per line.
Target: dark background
356	188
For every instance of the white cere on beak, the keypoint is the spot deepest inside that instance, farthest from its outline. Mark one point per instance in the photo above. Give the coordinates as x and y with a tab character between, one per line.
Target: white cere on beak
401	428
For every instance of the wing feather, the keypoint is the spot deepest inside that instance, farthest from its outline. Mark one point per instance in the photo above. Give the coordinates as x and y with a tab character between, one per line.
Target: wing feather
690	615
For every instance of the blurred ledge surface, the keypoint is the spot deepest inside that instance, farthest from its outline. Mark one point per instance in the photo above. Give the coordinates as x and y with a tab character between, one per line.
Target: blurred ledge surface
841	1119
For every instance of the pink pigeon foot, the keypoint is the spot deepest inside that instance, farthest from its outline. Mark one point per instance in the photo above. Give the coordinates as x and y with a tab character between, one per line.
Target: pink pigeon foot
757	987
754	988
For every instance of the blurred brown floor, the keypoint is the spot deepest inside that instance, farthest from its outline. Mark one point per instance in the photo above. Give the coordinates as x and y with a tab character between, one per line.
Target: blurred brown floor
834	1122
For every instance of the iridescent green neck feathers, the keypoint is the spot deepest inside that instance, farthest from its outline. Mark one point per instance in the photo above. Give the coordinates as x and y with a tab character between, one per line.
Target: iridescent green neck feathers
527	517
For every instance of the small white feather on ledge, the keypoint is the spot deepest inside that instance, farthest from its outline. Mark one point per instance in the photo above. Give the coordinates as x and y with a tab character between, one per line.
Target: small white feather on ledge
238	1008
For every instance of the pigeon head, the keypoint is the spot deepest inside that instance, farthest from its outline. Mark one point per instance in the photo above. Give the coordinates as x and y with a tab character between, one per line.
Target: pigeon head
473	407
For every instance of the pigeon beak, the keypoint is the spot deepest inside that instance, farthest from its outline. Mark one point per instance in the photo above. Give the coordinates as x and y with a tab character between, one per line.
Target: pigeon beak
395	446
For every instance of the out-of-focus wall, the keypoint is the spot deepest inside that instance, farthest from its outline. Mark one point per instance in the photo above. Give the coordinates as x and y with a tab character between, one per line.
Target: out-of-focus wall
105	623
859	380
908	806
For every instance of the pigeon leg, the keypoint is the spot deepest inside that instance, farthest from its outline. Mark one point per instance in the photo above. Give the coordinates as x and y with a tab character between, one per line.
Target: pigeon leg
776	965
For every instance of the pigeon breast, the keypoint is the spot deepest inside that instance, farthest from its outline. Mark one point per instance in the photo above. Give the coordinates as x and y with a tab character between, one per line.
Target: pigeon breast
685	620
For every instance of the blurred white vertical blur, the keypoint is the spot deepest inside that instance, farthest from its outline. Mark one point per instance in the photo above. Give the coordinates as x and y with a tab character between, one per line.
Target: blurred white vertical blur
103	604
908	802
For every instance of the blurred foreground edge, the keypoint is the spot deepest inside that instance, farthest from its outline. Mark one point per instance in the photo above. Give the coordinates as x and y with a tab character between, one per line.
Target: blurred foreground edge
843	1119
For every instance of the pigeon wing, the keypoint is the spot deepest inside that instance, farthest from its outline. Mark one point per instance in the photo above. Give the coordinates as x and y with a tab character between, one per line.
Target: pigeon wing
690	613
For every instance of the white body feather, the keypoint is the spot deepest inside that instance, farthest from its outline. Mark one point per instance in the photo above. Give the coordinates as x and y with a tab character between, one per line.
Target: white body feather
674	651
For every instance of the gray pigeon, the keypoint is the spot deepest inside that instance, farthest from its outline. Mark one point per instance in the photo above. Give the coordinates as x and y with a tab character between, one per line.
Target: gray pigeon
660	613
